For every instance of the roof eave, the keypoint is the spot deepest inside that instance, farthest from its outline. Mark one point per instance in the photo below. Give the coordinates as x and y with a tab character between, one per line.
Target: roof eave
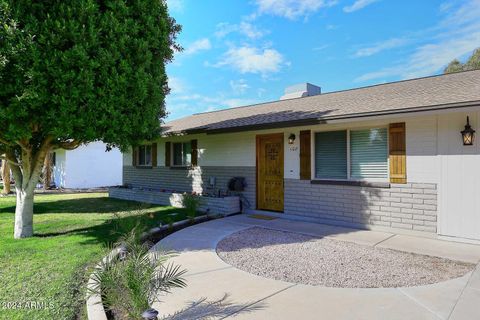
325	119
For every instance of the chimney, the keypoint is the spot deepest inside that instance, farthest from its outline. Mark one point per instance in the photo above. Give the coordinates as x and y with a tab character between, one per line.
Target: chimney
301	90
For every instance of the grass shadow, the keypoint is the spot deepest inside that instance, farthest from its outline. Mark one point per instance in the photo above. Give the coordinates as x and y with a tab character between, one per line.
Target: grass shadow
71	217
111	229
93	205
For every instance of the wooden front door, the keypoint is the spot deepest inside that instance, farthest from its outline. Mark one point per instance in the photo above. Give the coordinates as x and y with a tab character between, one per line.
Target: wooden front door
270	172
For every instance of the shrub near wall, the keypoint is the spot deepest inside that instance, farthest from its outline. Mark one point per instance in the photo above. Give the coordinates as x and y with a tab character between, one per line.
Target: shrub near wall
216	205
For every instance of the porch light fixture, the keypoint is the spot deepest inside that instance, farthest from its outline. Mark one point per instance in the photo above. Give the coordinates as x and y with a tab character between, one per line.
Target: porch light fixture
467	134
291	138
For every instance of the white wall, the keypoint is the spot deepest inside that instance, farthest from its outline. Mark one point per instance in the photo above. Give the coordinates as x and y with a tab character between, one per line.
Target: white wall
459	188
59	168
234	149
292	155
421	140
89	166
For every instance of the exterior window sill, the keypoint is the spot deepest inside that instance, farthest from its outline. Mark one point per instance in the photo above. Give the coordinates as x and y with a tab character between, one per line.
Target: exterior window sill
144	167
372	184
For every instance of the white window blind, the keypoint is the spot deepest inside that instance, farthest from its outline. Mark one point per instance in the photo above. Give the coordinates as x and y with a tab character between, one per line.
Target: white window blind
368	154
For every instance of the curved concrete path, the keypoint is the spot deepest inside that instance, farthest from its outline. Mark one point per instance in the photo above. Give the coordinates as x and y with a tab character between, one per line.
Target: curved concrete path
217	290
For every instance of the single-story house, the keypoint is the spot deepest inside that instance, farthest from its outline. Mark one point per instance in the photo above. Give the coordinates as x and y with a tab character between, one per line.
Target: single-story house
88	166
393	156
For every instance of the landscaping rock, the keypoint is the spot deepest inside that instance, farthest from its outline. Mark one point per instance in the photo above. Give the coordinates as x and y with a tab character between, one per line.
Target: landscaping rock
319	261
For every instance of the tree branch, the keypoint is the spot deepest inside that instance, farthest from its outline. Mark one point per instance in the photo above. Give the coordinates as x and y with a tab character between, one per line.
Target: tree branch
23	144
70	145
10	161
5	142
37	162
17	176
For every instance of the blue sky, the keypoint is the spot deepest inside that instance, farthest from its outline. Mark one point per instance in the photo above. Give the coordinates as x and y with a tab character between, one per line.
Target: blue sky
243	52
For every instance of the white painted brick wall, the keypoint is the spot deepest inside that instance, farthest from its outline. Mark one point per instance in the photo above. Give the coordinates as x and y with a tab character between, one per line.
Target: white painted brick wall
225	205
411	206
188	180
401	206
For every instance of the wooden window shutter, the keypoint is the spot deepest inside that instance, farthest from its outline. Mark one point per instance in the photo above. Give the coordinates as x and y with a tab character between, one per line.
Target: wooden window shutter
397	153
154	154
134	156
168	156
305	157
194	144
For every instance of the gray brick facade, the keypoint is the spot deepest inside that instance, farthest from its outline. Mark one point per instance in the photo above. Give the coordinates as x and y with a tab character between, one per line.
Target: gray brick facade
186	180
225	205
411	206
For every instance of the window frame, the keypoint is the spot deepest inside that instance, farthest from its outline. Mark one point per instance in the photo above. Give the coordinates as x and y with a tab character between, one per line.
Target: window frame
172	157
144	165
349	156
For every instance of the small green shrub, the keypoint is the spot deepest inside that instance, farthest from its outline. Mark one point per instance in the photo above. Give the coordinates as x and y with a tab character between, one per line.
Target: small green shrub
191	202
131	282
169	221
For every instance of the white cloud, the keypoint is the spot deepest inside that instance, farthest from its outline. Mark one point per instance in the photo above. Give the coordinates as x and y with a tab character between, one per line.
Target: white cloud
225	28
196	46
292	9
456	36
445	6
322	47
260	92
252	60
431	58
176	85
183	102
231	103
175	5
357	5
181	105
239	86
228	103
381	46
250	30
246	28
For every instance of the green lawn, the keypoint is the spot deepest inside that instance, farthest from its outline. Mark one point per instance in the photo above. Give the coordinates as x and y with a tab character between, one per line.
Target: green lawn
72	233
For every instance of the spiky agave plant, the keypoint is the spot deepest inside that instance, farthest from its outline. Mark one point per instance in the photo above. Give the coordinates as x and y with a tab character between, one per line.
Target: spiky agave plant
131	281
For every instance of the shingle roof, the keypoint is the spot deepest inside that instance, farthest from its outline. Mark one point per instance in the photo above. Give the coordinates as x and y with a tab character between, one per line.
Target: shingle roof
436	92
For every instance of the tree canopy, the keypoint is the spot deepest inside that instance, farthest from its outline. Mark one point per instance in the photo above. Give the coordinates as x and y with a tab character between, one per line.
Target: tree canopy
84	70
472	63
73	72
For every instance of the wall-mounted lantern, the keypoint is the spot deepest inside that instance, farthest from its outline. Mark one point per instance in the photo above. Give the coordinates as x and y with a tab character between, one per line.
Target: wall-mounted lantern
291	138
467	134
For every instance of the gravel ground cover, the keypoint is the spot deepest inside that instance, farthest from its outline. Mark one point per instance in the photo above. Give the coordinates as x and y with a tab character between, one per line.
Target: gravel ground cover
304	259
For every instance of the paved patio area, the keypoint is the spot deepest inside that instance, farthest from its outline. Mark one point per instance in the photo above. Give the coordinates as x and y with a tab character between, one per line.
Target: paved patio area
217	290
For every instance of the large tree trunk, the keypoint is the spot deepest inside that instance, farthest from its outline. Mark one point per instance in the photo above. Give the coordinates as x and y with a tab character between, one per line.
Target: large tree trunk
24	213
6	177
25	191
27	175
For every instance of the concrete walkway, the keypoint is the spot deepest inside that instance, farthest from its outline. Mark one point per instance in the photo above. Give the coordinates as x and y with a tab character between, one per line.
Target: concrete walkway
217	290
